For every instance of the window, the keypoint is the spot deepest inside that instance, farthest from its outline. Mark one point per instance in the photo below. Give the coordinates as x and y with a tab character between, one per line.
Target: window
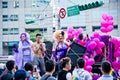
43	30
16	31
53	29
16	4
64	28
10	50
95	28
11	31
83	27
115	26
4	4
37	3
10	17
14	18
5	18
5	31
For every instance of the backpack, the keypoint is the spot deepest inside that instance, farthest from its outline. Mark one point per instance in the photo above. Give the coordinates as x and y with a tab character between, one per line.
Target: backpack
47	77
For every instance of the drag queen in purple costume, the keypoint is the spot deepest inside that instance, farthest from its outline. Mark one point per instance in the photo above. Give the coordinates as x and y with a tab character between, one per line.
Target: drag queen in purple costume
59	47
16	52
25	50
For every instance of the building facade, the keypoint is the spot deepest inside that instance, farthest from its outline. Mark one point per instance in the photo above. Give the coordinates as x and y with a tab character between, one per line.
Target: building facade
17	16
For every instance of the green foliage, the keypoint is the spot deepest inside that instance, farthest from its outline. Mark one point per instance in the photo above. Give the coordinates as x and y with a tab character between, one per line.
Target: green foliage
33	34
46	40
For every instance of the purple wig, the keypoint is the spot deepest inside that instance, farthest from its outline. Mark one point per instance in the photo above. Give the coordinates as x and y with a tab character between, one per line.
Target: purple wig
27	36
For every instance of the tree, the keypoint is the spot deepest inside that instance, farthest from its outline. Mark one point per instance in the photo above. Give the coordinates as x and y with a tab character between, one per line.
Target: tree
33	33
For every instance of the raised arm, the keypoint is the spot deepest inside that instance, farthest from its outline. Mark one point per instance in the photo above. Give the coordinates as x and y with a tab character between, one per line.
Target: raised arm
44	46
35	48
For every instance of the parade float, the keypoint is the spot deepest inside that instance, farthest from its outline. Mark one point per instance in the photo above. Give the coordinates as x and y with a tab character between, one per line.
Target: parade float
99	47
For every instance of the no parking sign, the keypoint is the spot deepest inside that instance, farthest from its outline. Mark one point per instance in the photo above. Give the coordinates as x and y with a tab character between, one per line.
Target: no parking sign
62	13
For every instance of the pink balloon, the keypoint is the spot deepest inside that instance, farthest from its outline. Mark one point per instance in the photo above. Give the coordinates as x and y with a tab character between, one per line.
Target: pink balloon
117	54
70	30
116	43
85	58
104	16
96	40
115	40
101	44
80	30
69	36
76	34
119	64
96	35
119	43
88	68
104	24
93	45
110	17
109	28
110	22
90	62
116	46
73	33
119	49
115	64
103	29
98	51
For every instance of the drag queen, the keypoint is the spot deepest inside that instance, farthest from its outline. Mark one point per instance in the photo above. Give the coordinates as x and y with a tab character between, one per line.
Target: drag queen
16	54
25	50
59	47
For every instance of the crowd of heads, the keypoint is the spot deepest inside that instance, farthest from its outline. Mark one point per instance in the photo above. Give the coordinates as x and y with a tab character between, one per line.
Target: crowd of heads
50	66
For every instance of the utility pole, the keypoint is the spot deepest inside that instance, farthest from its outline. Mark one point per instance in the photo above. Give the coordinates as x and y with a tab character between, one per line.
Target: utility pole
56	19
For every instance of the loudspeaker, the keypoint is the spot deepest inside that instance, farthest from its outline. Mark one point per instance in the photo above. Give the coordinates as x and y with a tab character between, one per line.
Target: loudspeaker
48	52
75	52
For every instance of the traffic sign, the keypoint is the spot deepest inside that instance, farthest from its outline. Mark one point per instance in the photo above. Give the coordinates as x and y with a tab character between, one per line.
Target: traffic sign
73	10
62	13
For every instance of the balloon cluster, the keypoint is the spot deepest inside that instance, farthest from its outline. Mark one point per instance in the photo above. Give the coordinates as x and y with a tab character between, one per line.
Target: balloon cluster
88	63
107	23
116	63
73	33
95	44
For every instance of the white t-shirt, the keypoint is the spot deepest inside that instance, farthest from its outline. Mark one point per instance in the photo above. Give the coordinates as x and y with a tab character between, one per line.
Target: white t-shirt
68	76
105	77
82	74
